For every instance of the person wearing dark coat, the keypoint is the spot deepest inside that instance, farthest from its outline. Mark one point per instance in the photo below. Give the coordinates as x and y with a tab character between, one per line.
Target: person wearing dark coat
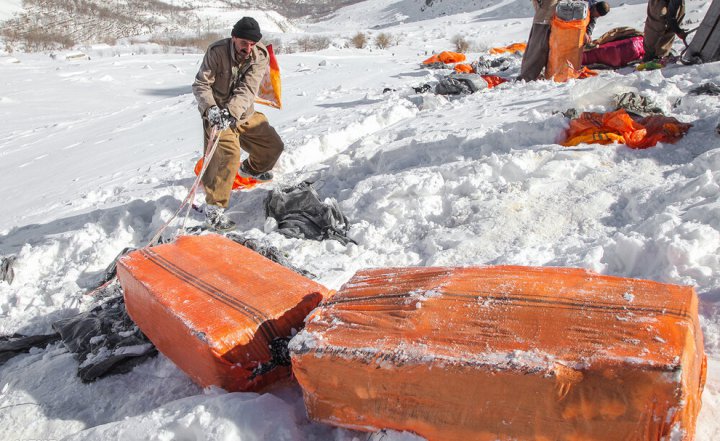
538	46
596	9
225	88
661	27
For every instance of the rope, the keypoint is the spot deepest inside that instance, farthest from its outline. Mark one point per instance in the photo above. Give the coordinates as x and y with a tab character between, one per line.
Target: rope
213	140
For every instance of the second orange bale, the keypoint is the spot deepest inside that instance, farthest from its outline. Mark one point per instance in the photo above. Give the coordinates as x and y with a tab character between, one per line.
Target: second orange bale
505	353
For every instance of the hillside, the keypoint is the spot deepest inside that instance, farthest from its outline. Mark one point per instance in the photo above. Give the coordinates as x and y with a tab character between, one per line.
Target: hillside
33	25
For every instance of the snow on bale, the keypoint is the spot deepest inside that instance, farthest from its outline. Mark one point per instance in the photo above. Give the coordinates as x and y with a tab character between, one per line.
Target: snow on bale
507	352
216	308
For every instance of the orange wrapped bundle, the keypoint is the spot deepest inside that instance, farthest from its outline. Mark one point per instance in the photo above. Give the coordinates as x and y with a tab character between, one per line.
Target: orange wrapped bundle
505	353
619	126
515	47
464	68
214	308
446	57
493	80
566	42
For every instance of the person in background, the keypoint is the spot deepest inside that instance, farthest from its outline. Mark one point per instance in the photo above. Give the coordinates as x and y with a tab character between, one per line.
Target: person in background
596	9
661	27
538	46
225	88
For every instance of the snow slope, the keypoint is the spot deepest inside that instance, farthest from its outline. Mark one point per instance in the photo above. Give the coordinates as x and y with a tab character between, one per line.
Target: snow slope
9	7
96	154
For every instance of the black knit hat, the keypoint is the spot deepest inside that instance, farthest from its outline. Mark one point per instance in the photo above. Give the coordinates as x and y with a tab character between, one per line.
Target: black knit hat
602	8
247	28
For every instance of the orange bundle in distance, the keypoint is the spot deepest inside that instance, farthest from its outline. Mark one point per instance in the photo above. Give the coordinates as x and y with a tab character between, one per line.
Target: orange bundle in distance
505	353
214	307
446	57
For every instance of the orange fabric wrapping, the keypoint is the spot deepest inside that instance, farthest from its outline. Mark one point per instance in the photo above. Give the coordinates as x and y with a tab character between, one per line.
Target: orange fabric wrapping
464	68
619	126
515	47
212	306
270	93
566	42
585	72
240	183
493	80
505	353
446	57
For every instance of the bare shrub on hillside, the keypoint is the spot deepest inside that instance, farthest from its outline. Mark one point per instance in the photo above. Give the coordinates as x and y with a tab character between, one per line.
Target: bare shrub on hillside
383	40
69	22
38	39
461	44
359	41
311	44
200	42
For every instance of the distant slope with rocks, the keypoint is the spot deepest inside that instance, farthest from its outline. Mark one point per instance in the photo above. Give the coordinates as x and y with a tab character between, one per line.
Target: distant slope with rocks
51	24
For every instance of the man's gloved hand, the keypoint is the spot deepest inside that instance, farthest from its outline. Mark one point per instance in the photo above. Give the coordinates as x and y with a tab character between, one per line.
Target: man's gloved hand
220	118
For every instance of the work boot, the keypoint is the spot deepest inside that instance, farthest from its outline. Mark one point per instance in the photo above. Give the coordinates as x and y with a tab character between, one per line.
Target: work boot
215	218
246	172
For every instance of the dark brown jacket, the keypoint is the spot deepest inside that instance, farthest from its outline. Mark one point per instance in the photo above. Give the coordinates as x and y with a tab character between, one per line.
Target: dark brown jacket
225	82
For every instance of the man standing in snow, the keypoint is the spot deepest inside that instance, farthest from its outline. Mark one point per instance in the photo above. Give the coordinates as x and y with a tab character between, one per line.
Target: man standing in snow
225	88
661	26
538	46
537	51
595	9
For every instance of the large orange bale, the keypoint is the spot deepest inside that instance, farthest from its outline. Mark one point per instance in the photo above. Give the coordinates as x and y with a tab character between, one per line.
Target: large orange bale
505	353
566	42
213	307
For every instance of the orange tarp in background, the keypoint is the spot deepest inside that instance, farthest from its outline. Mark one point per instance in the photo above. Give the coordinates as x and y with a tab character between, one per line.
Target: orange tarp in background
446	57
464	68
508	352
566	42
515	47
213	306
493	80
619	126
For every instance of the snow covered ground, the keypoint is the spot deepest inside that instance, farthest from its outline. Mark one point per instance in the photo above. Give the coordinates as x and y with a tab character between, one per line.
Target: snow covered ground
96	154
9	7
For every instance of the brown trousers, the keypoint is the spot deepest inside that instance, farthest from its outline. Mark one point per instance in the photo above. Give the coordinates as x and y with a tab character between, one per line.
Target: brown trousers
658	38
257	137
536	53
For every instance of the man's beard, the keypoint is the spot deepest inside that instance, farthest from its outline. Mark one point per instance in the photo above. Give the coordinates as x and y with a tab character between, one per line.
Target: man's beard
243	53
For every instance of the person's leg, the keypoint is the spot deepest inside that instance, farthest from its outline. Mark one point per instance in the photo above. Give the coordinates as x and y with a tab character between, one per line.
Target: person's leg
222	168
665	42
261	141
536	54
657	39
